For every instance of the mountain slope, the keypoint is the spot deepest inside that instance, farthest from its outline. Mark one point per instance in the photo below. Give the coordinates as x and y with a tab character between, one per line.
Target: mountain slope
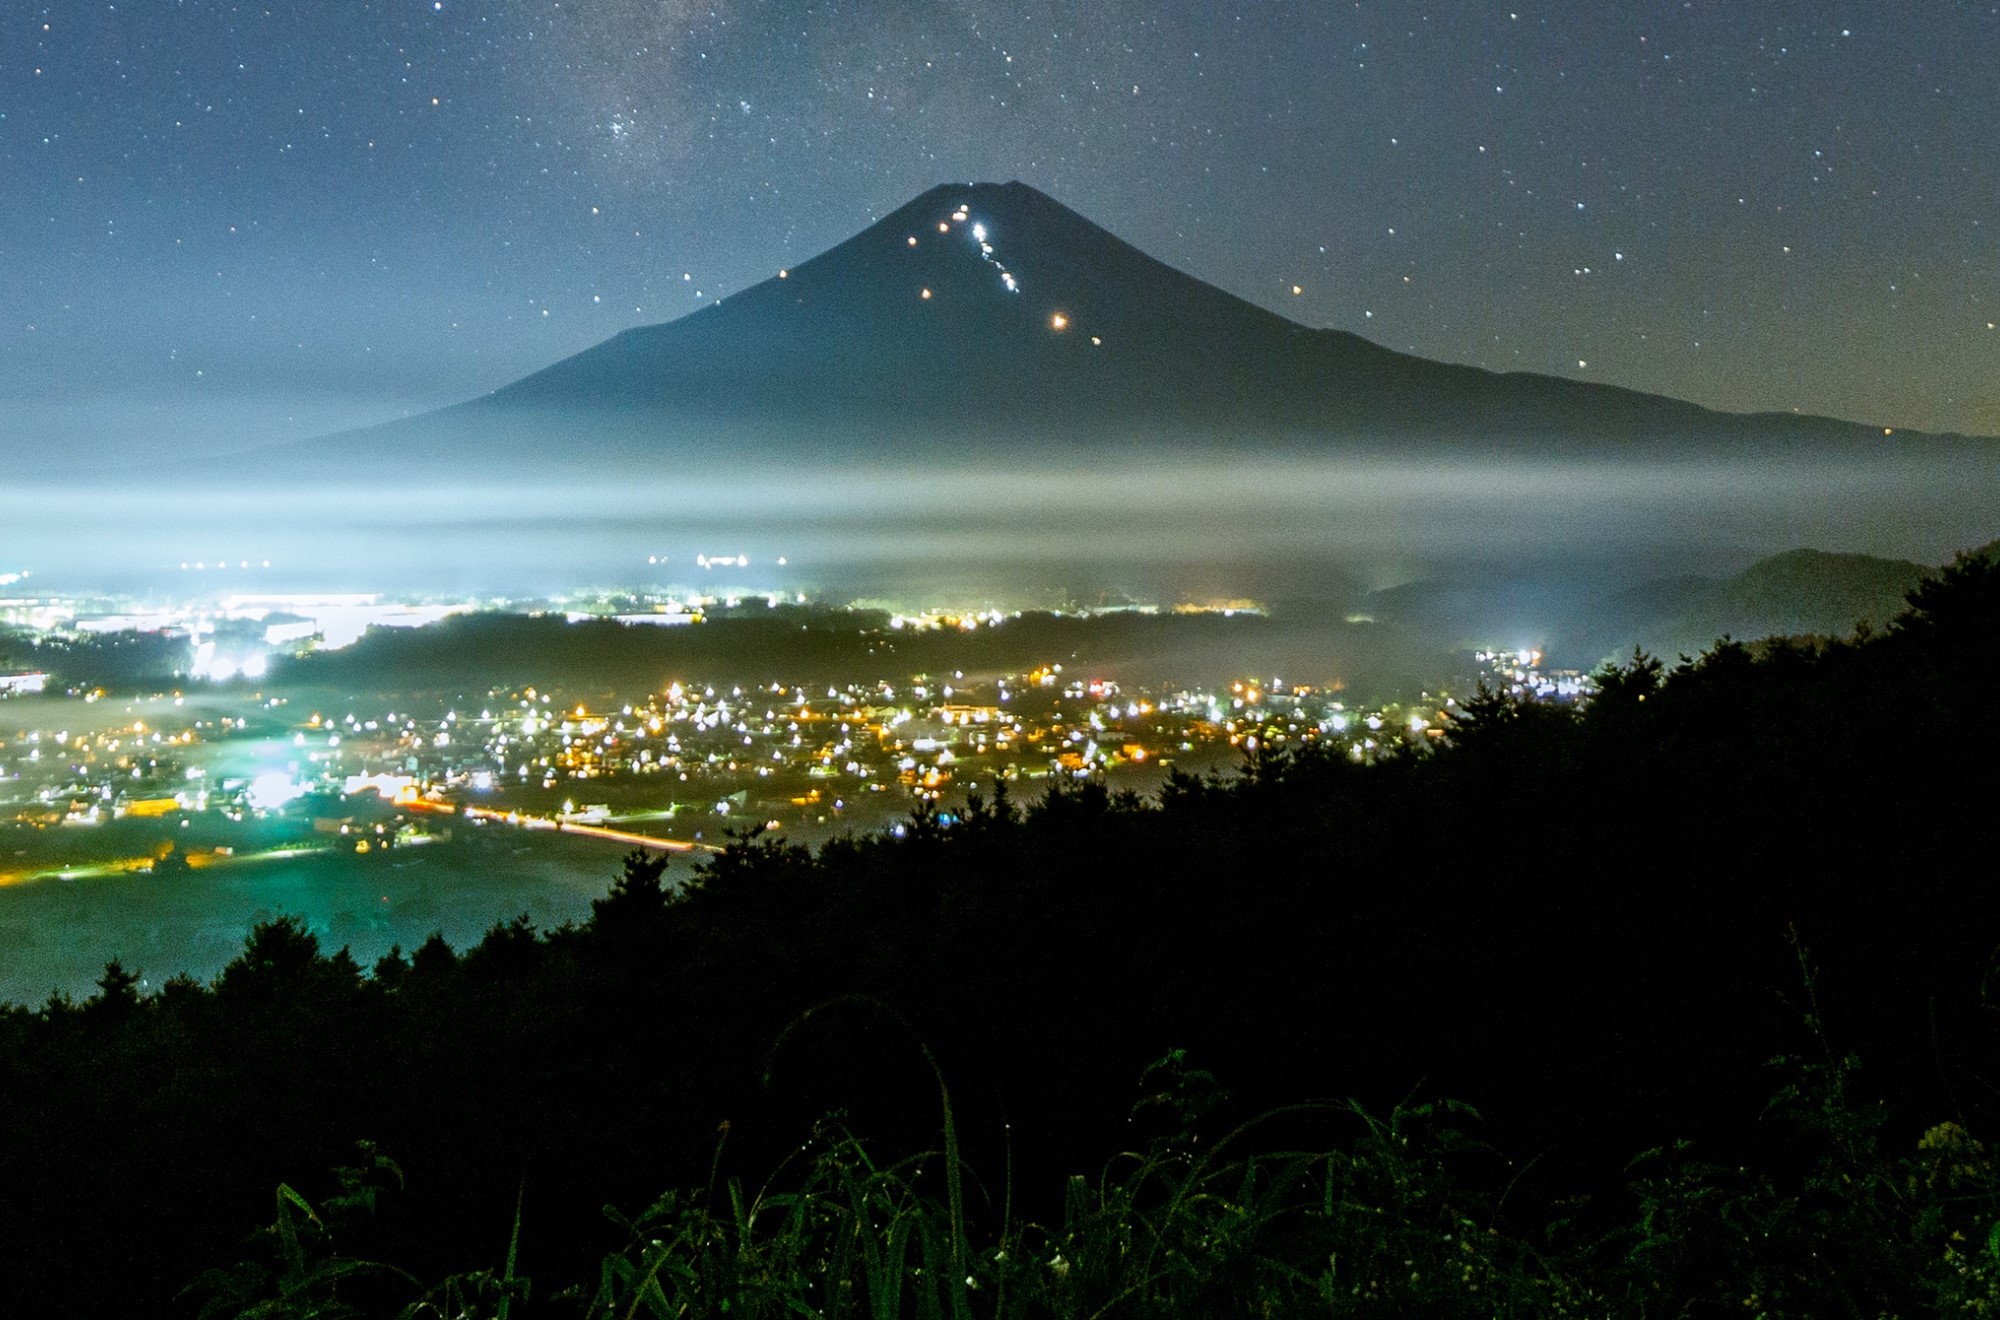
1797	592
984	314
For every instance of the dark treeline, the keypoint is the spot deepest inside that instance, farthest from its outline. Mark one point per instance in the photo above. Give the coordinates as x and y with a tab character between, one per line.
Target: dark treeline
116	660
790	643
1589	924
794	643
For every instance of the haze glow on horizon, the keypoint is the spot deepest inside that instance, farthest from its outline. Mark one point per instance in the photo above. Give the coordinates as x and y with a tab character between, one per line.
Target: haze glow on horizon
977	535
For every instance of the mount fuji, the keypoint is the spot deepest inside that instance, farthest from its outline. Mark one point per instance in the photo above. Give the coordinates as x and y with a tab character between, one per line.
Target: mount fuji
980	318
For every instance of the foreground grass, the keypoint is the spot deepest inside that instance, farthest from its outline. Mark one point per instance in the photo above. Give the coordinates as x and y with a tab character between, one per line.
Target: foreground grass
1404	1215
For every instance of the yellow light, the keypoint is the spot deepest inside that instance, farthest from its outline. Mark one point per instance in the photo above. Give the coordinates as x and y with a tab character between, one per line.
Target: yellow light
1296	291
943	228
784	274
1095	340
926	294
913	240
1058	321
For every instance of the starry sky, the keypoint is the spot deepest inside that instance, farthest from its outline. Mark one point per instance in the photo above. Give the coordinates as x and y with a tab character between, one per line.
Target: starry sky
224	224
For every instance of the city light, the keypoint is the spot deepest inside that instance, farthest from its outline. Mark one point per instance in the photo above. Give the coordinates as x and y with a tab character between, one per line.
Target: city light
272	790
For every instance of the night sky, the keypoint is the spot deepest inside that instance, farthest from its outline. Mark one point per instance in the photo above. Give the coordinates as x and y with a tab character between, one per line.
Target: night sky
228	223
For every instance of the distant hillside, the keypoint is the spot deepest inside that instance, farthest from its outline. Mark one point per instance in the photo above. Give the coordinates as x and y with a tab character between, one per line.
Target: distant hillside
1800	591
1813	591
1797	592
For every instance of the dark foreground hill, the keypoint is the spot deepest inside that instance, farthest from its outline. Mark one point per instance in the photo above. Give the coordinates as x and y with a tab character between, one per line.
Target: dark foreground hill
1598	927
979	318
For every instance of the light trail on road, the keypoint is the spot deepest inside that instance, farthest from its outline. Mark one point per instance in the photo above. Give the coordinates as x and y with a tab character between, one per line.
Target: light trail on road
653	842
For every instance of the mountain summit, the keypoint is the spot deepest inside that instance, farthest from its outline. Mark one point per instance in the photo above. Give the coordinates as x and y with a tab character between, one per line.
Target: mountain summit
979	315
981	303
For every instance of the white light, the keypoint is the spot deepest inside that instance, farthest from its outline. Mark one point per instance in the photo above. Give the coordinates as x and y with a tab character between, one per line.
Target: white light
270	791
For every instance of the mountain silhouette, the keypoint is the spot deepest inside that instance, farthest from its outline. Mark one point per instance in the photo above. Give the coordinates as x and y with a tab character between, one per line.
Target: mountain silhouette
1798	592
985	315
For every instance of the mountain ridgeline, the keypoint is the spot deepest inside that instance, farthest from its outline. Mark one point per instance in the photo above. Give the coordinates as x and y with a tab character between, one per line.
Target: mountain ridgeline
1797	592
1800	592
978	317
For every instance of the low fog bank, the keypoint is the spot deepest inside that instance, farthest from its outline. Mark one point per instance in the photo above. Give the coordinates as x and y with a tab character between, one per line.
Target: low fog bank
1535	541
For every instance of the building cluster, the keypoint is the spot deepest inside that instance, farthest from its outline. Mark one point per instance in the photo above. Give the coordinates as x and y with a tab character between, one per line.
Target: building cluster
83	771
691	760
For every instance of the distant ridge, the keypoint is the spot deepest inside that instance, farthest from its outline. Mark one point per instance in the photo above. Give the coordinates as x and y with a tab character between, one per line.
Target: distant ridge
978	316
1801	592
1798	592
